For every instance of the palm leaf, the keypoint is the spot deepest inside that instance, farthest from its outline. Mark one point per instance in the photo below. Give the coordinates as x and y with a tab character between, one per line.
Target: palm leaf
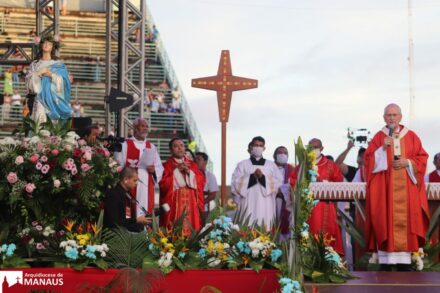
126	249
433	224
351	228
359	207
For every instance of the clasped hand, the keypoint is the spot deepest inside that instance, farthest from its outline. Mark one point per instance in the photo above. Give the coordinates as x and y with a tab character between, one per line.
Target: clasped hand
45	72
183	168
400	163
258	173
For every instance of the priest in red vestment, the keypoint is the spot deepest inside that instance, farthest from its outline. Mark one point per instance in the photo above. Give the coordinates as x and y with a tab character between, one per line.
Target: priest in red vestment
139	153
434	176
397	214
181	188
324	216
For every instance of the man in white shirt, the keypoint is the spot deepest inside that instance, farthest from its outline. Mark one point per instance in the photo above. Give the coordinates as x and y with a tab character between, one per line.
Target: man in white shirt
211	187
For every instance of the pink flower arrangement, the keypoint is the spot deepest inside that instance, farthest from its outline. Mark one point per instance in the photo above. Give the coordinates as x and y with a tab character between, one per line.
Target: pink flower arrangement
85	167
12	177
43	159
82	142
88	155
29	187
19	160
34	158
55	152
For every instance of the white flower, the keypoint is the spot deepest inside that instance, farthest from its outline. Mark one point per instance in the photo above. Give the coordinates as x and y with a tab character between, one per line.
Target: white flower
374	259
103	254
47	231
32	241
305	234
63	244
19	160
235	227
8	141
34	140
56	183
44	133
72	134
255	253
213	262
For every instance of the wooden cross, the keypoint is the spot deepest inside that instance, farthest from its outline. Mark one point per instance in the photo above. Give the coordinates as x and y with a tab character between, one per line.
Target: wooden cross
224	83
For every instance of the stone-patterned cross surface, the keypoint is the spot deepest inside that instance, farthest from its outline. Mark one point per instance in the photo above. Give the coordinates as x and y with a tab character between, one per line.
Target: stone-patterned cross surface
224	83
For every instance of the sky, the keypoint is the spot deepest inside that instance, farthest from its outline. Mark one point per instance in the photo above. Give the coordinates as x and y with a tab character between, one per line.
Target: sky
322	66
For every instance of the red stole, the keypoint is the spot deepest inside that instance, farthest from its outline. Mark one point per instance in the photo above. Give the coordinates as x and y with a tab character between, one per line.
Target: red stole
133	156
434	177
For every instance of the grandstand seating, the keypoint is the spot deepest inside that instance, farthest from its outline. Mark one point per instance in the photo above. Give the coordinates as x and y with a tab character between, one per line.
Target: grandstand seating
83	40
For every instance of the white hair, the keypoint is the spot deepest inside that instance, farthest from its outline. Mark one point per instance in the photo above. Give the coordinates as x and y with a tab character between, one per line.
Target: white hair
137	121
392	105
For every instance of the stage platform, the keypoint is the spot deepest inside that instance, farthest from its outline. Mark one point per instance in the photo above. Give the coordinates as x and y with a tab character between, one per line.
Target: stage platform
378	282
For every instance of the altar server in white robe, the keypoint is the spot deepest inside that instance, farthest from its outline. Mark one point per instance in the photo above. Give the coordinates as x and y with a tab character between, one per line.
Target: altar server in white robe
255	183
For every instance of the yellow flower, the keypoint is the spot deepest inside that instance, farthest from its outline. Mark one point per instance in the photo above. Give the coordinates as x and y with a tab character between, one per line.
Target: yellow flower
264	238
312	156
169	245
83	239
210	246
164	240
219	246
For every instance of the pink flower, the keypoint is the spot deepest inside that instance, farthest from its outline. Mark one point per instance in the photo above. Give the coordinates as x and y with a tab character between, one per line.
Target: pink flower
40	146
39	228
34	158
19	160
40	246
34	223
55	139
45	169
55	152
29	187
82	142
39	166
43	159
88	155
12	177
106	153
119	169
74	171
85	167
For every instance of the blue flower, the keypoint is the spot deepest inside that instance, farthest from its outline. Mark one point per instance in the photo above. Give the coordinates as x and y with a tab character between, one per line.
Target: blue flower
91	255
4	247
287	288
240	246
333	257
313	178
305	227
11	249
284	281
182	254
71	253
202	252
151	246
90	249
247	250
296	284
212	235
275	254
315	202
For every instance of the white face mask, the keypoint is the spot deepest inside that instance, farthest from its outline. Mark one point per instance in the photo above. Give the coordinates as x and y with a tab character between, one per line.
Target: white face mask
257	151
282	159
317	153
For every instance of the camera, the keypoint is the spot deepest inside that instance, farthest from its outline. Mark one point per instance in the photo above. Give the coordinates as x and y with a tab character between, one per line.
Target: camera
360	137
113	143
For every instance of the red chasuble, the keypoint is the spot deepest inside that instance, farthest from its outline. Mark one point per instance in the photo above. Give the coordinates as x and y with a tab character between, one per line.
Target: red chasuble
434	177
188	199
397	215
324	216
133	156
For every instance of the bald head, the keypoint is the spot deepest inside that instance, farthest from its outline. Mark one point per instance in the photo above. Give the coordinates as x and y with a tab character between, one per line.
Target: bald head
316	143
392	115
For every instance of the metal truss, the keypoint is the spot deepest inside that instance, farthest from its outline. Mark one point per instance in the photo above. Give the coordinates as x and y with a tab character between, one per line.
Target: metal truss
126	28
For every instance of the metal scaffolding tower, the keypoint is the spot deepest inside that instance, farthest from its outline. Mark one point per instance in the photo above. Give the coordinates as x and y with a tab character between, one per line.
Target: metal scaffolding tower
126	28
47	22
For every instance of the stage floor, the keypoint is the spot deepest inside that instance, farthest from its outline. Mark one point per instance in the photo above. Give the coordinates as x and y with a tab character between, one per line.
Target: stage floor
378	282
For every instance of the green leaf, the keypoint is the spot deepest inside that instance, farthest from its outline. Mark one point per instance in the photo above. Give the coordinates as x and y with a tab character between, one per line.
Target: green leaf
102	264
336	279
179	264
433	224
80	266
148	262
351	228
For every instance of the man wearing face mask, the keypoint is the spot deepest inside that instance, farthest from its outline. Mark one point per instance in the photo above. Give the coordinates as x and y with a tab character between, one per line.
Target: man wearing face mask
324	217
256	182
397	214
283	201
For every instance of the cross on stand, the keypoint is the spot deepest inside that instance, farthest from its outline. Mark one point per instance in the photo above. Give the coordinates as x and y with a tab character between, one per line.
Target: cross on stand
224	83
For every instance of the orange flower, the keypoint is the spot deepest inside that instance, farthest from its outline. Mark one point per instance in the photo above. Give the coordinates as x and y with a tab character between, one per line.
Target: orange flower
95	228
245	260
69	225
328	239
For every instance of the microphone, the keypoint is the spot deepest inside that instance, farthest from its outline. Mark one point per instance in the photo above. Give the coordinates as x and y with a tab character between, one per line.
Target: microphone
391	130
